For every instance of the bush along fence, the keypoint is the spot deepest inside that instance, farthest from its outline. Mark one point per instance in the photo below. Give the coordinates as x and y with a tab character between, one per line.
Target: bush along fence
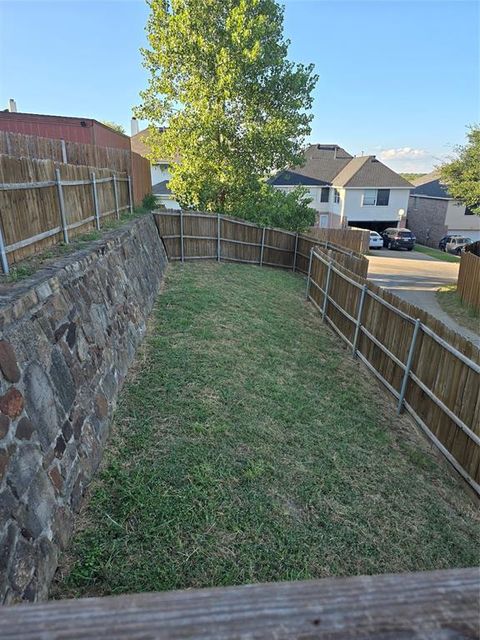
468	286
204	236
433	373
44	203
356	239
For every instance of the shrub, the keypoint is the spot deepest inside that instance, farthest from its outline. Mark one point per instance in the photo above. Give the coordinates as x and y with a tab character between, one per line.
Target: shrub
149	201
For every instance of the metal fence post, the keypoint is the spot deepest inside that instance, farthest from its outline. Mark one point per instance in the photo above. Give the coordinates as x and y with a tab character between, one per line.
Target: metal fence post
64	151
295	253
61	203
307	293
182	256
3	255
218	238
408	366
95	200
361	303
263	245
130	201
115	195
327	289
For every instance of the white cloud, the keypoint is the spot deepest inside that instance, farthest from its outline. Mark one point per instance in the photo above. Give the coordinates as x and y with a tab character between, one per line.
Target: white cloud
409	159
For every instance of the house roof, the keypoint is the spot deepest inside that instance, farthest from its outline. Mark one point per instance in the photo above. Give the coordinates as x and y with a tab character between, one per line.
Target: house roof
431	186
329	164
161	189
367	171
138	144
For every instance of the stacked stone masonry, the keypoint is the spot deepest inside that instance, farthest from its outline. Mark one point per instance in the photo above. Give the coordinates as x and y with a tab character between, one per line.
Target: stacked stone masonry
68	336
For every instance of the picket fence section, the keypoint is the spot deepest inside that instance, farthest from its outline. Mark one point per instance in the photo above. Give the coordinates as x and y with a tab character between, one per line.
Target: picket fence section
44	203
433	373
468	285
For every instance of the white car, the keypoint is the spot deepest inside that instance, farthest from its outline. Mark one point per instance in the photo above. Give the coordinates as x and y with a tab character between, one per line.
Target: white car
376	240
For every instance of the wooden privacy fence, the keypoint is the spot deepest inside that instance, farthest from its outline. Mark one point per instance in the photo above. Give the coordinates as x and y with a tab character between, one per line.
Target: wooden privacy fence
433	373
433	380
44	203
356	239
22	145
468	285
204	236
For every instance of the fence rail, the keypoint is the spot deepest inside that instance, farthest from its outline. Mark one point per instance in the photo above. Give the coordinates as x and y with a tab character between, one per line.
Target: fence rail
427	604
433	373
468	286
43	203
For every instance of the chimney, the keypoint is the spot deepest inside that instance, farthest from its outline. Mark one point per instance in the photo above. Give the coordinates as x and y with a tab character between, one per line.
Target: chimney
134	126
12	106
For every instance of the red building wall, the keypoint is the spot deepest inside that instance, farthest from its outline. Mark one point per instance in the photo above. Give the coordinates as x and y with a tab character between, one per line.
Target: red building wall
84	130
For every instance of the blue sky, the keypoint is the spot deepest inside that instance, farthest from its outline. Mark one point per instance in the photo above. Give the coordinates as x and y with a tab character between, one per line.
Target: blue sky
398	79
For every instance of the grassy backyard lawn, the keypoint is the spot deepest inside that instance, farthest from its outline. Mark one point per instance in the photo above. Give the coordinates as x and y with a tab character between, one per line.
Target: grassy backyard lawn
248	446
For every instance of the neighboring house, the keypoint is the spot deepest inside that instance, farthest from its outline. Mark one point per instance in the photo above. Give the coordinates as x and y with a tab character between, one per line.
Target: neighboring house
83	130
433	213
159	169
347	190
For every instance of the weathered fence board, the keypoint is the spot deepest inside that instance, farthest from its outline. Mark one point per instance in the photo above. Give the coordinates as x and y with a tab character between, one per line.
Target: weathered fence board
468	285
31	217
430	604
356	239
441	388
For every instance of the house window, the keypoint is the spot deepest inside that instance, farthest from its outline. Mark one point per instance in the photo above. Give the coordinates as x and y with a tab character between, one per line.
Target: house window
324	221
383	196
336	196
325	195
376	197
369	197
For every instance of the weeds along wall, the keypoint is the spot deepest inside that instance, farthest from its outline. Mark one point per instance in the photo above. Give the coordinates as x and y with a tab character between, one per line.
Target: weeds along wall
68	336
433	373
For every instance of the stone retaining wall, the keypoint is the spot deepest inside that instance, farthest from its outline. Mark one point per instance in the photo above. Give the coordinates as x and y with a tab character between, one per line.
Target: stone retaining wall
68	336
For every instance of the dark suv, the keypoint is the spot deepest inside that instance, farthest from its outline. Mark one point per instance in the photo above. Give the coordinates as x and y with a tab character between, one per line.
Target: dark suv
394	238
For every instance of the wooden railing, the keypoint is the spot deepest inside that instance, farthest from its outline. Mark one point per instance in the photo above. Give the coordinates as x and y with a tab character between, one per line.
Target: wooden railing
468	286
432	372
431	604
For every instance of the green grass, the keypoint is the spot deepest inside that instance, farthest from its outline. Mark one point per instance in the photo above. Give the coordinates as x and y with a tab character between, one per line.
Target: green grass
249	446
464	314
436	253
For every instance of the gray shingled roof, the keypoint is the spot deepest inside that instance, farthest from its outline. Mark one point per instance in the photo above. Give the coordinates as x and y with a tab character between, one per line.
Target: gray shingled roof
367	171
431	186
161	189
330	164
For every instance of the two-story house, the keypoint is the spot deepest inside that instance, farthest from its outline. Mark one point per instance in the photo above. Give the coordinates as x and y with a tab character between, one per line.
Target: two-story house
347	190
433	213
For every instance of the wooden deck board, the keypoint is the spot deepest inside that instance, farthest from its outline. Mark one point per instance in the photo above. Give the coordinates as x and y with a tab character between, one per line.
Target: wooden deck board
433	604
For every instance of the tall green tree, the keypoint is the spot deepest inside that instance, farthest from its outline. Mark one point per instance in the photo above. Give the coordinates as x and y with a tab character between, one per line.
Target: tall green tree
237	109
462	175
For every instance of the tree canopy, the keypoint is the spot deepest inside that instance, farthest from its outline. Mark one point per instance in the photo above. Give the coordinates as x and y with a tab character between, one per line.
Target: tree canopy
113	125
236	109
462	175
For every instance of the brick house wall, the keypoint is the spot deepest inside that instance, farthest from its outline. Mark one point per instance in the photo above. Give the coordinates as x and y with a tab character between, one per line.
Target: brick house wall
426	218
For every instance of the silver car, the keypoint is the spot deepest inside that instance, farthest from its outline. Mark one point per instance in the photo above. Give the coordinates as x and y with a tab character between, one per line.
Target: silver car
457	245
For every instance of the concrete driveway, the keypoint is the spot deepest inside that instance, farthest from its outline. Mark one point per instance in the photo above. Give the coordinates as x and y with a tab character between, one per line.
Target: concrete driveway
416	277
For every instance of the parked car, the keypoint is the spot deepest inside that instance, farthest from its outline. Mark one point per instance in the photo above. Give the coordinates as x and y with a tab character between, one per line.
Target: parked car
376	240
457	245
394	238
446	239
